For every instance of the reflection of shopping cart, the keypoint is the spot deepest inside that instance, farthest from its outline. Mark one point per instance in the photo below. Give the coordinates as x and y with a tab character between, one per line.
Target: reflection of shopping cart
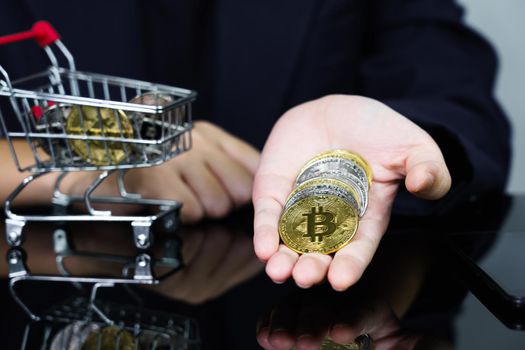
65	326
74	121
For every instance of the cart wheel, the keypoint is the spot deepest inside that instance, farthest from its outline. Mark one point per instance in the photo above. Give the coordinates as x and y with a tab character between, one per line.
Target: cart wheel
13	232
16	260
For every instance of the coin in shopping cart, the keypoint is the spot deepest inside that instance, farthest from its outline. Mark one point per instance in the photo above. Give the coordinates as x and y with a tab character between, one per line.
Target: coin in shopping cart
318	224
108	338
104	131
49	122
151	127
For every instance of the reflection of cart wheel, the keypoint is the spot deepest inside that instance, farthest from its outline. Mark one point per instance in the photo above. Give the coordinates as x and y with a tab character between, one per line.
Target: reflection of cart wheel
171	221
143	268
16	259
142	234
62	247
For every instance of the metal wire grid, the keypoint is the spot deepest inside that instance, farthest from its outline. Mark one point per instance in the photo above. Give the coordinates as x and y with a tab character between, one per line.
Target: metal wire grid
66	326
41	120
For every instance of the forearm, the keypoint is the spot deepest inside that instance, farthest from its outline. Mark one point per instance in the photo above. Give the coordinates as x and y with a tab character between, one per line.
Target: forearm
38	192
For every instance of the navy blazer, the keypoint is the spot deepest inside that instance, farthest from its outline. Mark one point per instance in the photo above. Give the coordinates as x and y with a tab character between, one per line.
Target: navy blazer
252	60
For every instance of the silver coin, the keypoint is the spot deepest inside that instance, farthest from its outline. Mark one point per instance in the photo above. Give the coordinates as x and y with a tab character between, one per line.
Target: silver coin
323	189
336	164
350	180
154	126
340	169
52	124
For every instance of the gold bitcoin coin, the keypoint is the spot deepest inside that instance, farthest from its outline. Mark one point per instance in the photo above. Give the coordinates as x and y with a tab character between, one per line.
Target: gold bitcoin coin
318	224
103	122
340	153
107	339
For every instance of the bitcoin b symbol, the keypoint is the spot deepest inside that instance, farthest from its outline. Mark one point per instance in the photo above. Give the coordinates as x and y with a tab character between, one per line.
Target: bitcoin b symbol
319	224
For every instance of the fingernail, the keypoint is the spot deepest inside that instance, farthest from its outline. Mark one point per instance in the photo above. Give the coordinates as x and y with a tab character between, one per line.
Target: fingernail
303	286
278	282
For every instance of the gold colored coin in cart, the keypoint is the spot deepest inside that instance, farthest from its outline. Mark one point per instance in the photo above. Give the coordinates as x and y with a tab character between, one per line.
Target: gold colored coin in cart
102	122
108	338
318	224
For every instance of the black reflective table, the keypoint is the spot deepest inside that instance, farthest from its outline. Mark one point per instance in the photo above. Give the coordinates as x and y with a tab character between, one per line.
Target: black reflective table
433	284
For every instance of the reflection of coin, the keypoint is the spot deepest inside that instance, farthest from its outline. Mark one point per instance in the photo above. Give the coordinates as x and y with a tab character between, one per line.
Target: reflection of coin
358	344
102	122
108	338
318	224
72	336
51	123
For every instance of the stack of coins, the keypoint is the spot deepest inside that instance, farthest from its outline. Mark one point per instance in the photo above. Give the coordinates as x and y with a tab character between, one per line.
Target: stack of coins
151	126
322	213
50	121
103	122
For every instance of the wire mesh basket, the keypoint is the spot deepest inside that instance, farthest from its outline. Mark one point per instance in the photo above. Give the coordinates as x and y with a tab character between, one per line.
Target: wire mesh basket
66	327
75	121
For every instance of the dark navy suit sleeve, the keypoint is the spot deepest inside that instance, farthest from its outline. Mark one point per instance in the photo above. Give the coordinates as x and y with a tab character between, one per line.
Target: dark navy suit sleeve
424	63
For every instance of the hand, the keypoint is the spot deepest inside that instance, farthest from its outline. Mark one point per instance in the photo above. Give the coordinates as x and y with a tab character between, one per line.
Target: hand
216	259
395	148
213	177
308	318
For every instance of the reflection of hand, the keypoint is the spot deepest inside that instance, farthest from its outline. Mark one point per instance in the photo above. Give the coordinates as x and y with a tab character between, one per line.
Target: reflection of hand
308	318
210	179
396	149
216	260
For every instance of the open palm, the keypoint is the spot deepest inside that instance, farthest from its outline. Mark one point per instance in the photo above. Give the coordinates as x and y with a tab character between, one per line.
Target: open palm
395	148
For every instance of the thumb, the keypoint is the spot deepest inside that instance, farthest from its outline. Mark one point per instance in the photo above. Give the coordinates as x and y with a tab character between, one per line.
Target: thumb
427	174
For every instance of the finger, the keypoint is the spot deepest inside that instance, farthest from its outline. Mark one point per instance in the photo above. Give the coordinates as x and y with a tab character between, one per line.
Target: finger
146	182
308	342
281	339
350	262
343	333
236	148
234	177
246	264
269	194
427	174
279	267
262	338
209	191
197	275
311	269
192	209
238	264
192	240
283	323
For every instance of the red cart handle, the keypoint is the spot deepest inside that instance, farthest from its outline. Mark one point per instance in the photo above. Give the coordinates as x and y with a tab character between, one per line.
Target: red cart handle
42	32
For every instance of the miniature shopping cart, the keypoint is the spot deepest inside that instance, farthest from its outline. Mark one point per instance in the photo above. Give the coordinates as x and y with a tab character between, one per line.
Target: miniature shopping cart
70	121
